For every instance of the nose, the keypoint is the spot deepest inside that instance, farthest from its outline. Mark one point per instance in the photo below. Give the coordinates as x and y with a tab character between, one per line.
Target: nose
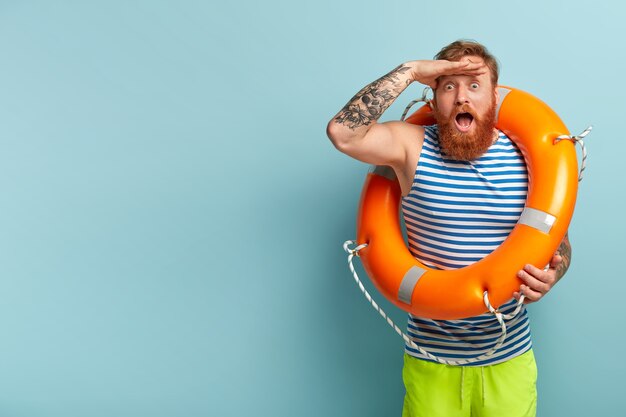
461	96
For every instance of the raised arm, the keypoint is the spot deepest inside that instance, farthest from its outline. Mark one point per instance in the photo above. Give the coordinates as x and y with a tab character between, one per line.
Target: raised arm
355	130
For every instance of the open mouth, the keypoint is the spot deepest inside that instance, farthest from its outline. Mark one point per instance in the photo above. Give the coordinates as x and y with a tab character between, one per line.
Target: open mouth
464	121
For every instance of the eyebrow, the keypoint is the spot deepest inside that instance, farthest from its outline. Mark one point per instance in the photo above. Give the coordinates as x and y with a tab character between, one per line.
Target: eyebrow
449	78
445	79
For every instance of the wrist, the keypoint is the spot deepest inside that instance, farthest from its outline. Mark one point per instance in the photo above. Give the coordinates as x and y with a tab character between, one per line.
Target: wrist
414	70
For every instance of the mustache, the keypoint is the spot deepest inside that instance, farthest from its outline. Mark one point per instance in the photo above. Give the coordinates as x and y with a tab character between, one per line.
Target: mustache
466	146
465	108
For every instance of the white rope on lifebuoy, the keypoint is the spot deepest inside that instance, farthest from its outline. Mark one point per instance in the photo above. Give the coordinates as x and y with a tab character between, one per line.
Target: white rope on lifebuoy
499	316
577	139
424	99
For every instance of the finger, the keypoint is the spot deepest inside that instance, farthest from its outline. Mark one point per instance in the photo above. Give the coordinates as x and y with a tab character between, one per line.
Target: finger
453	67
472	72
531	295
534	282
464	67
535	272
518	294
556	261
548	276
474	65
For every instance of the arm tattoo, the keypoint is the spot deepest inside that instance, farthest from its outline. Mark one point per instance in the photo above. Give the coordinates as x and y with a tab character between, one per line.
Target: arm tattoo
565	250
370	103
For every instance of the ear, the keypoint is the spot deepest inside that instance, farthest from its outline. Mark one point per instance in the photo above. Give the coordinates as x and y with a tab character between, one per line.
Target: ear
496	94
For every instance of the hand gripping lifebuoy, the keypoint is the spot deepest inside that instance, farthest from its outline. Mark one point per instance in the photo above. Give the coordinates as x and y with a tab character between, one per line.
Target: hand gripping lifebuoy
452	294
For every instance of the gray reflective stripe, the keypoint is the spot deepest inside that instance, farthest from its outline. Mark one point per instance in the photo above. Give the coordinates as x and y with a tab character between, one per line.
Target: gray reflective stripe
502	93
538	219
405	293
383	171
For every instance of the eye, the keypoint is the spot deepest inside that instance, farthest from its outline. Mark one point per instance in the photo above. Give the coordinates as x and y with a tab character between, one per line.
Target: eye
474	86
448	87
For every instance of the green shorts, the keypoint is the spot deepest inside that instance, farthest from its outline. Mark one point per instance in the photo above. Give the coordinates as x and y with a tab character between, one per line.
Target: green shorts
506	389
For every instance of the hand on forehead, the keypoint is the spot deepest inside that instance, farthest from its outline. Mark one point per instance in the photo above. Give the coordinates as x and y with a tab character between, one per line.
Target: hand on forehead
468	66
472	59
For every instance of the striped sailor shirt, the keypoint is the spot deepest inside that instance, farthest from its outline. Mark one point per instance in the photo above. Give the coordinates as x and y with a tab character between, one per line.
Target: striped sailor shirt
456	213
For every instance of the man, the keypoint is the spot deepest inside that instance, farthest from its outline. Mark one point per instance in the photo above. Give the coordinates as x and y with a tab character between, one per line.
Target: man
464	185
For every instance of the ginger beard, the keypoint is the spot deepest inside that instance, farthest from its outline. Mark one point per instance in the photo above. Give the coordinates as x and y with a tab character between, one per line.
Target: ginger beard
466	146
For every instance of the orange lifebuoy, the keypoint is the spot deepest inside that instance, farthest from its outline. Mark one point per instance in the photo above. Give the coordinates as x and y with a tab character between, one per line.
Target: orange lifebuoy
453	294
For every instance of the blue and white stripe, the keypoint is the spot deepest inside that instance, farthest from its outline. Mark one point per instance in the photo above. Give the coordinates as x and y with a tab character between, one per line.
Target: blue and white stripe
456	213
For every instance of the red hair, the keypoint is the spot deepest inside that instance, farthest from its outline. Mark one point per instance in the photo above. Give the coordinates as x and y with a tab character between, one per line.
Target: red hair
461	48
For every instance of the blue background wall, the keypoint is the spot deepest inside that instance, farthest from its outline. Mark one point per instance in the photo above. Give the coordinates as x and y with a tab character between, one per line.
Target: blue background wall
172	212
